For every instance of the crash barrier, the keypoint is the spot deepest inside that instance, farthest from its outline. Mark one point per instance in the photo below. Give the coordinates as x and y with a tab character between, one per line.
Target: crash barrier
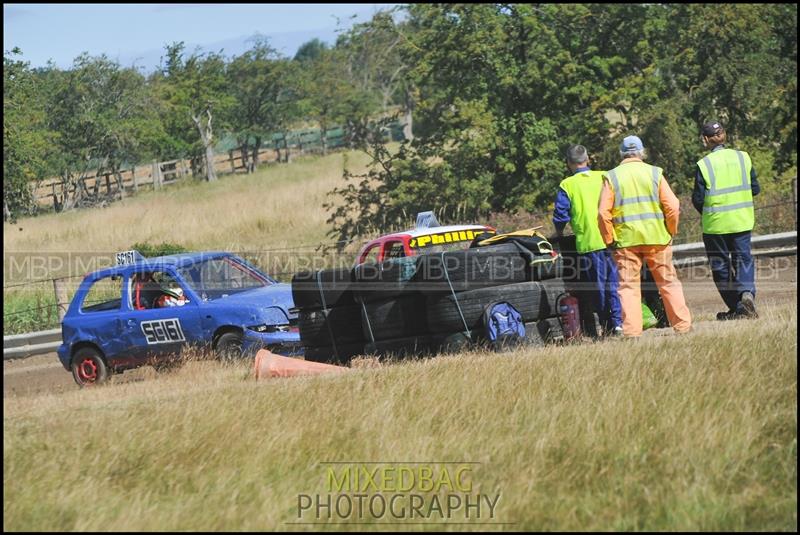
779	244
425	304
268	365
26	345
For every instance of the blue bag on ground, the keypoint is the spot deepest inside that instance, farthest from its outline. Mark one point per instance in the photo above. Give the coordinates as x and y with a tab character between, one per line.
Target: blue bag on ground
504	325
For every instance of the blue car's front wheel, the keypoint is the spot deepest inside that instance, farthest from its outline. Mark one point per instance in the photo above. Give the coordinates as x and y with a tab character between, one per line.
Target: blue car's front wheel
229	346
88	367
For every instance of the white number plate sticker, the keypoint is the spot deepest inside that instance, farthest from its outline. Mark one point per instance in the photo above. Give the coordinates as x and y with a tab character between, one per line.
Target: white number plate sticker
163	331
126	258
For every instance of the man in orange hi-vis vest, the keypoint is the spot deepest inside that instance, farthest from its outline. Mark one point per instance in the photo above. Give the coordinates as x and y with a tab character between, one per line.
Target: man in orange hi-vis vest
638	217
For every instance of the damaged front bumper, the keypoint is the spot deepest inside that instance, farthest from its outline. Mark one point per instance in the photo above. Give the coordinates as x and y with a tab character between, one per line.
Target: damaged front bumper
282	343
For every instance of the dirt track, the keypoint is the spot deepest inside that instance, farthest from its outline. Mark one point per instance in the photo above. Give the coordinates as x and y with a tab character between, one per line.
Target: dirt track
776	284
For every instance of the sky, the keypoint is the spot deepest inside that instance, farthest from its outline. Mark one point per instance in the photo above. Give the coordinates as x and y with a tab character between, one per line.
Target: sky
135	34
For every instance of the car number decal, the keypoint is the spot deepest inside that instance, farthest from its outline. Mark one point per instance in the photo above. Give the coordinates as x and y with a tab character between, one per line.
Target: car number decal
163	331
127	258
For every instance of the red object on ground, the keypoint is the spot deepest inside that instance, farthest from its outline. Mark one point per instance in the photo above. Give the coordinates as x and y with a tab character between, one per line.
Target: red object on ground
268	365
570	316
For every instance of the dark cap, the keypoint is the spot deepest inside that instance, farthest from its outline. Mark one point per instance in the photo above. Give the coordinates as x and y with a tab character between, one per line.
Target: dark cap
712	128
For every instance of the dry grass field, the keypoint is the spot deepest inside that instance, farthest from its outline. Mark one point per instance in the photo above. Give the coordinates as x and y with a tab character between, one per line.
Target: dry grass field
692	432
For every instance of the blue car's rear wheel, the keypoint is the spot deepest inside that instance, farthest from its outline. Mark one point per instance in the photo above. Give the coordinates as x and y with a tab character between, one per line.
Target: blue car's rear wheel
88	367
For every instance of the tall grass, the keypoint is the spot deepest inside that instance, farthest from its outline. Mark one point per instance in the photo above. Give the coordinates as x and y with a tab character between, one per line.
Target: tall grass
676	432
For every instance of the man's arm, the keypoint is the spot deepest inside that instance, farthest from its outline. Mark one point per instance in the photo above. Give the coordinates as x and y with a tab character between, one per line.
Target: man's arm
755	187
670	205
561	211
699	191
604	214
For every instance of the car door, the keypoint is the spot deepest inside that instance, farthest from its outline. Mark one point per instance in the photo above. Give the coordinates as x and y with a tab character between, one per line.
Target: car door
152	331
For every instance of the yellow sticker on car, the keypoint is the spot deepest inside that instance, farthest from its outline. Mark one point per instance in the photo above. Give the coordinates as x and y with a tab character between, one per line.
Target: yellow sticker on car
445	237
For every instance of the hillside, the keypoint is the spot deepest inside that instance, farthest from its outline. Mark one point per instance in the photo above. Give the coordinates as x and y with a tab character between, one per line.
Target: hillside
278	206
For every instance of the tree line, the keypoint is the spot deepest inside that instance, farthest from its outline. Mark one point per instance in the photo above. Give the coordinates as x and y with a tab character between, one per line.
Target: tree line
496	93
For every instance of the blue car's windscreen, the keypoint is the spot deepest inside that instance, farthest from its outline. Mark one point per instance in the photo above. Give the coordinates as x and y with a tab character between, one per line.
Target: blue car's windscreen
220	277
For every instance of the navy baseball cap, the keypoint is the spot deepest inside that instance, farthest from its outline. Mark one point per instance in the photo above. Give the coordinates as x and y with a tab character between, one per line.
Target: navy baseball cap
712	128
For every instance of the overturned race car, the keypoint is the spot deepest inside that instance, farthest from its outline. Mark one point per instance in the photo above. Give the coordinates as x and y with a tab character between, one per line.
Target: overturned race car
432	289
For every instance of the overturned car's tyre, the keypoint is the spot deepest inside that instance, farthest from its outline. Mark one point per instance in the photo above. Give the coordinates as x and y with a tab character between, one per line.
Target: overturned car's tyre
323	289
340	354
480	267
394	318
452	342
319	326
412	346
553	289
534	300
550	330
385	280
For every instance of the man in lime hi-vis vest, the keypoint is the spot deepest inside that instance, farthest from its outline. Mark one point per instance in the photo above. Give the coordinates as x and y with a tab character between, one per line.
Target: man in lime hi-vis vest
725	183
577	199
638	215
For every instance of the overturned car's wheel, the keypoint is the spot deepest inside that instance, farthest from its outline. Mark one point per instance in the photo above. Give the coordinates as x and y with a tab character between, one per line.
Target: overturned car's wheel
341	354
534	300
88	367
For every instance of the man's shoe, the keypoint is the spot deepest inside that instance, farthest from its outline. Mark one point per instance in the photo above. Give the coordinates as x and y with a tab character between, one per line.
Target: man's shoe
729	315
616	331
747	304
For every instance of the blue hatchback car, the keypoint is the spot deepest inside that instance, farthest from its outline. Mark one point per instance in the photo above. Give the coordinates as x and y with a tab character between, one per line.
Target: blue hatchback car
145	311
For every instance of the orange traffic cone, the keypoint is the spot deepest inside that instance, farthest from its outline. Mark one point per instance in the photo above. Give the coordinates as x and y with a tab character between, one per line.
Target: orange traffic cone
268	365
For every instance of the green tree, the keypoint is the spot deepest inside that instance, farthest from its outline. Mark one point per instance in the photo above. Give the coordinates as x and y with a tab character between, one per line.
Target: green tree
193	90
263	95
376	73
26	139
326	90
103	116
310	51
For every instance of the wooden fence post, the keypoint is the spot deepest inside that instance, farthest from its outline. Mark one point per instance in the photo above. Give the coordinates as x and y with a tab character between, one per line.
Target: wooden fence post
156	175
794	200
233	162
121	184
62	301
135	183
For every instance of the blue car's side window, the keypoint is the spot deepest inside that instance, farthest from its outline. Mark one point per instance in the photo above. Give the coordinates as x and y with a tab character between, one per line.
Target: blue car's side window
156	289
104	294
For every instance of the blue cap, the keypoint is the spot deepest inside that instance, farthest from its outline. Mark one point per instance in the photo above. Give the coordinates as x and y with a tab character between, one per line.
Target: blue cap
631	144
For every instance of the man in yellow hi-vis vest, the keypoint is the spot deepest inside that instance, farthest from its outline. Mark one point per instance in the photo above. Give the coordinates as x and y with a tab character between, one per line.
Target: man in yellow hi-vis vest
725	183
638	216
576	203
